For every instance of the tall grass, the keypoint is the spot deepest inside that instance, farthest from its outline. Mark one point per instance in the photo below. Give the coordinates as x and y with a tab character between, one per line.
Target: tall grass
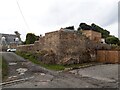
33	58
3	68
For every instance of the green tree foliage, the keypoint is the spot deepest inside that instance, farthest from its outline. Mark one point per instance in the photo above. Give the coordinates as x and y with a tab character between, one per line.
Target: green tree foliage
112	40
94	27
37	38
84	26
119	43
97	28
105	34
70	27
31	38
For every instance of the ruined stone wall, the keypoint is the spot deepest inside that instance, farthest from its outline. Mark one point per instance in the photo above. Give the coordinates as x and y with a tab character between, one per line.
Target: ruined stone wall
71	46
92	35
41	42
12	45
37	46
26	48
51	42
108	56
65	47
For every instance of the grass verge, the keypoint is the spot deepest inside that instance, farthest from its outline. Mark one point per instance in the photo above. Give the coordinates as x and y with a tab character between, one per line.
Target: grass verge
31	57
3	68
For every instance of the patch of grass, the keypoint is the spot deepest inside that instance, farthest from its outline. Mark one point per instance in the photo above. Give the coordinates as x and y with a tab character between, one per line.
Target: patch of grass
31	57
54	67
0	62
4	66
77	65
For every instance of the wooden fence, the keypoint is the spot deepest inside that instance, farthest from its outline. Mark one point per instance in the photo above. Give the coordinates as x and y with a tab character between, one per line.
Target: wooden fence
108	56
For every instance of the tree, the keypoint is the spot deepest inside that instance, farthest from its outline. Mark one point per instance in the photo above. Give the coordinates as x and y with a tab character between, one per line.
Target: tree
70	27
37	38
84	26
97	28
18	34
30	38
119	43
94	27
112	40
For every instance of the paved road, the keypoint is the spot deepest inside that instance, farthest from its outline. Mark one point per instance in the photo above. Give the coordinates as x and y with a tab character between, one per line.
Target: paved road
98	76
20	68
108	73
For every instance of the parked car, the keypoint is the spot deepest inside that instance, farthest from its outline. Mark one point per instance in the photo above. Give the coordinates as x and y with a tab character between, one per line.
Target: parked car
11	50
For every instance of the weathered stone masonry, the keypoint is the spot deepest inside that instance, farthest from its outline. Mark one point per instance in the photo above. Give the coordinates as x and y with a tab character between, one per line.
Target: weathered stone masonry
65	47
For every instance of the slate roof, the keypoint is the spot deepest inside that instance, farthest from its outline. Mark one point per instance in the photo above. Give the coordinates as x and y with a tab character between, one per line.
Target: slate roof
9	38
68	30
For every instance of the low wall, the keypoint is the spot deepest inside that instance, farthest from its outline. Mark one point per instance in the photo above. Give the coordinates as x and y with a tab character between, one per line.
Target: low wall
26	48
108	56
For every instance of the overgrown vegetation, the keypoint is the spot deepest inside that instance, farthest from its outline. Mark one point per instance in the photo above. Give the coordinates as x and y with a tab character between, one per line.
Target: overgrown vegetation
33	58
4	68
31	38
110	39
70	27
94	27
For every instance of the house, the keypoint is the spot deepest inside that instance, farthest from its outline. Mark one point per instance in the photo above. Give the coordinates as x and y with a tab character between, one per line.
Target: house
8	40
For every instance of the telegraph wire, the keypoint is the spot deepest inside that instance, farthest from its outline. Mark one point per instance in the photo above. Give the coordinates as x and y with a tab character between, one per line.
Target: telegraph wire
22	15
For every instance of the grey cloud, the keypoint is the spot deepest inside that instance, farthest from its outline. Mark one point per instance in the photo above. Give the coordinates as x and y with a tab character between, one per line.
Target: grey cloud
48	14
76	11
110	17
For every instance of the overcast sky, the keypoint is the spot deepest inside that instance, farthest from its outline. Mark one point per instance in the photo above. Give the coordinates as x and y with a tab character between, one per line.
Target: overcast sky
43	16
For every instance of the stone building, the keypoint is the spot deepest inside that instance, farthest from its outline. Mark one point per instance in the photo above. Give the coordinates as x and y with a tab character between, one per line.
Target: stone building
66	46
8	41
92	35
